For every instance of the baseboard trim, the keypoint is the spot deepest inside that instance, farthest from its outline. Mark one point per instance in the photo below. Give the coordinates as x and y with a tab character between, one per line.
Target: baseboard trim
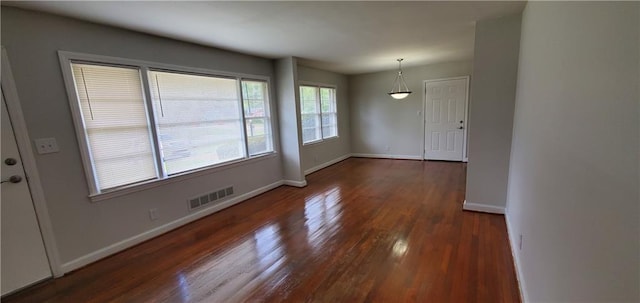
137	239
482	208
513	242
295	183
326	164
387	156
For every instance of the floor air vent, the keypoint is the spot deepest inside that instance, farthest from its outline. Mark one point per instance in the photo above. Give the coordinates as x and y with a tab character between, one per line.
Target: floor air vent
208	198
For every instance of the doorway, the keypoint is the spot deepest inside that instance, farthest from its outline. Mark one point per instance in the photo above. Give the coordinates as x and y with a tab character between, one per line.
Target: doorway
24	258
28	253
446	102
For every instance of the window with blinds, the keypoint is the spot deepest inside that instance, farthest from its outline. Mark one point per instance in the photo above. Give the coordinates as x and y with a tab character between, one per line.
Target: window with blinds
318	113
137	123
115	124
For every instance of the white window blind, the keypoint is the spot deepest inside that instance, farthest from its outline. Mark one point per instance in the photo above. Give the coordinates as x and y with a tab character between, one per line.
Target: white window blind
318	113
198	118
256	113
141	121
115	124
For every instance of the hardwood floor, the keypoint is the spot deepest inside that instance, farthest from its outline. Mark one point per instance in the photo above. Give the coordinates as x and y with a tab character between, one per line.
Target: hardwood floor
363	230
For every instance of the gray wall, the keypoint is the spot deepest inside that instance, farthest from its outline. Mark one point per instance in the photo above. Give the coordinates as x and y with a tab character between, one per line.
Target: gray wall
315	155
288	109
493	90
386	127
81	227
573	181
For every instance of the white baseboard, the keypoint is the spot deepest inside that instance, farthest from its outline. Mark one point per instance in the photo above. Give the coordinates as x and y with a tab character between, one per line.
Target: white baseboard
137	239
483	208
513	241
295	183
386	156
326	164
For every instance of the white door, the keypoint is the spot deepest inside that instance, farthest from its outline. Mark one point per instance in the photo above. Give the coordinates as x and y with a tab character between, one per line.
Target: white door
23	257
445	114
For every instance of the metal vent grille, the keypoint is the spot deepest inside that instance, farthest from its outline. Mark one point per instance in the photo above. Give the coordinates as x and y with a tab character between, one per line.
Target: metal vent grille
208	198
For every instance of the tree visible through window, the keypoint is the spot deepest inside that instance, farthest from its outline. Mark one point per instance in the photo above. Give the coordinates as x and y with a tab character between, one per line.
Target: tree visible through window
318	113
256	107
188	121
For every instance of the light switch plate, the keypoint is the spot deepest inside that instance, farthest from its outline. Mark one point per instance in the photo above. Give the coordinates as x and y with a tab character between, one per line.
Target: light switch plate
46	145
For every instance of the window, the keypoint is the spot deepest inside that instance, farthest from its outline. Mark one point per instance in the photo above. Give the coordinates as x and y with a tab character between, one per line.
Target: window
142	123
258	124
198	119
115	123
318	113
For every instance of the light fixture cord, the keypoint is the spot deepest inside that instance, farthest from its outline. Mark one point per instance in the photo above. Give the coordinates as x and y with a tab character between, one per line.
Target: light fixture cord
399	82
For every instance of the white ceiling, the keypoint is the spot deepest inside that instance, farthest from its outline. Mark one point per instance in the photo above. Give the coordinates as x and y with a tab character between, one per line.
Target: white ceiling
345	37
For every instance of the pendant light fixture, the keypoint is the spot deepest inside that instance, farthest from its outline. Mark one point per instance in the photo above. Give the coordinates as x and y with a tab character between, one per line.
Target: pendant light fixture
399	90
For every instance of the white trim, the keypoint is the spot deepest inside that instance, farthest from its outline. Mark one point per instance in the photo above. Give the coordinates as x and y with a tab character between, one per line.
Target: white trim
29	164
387	156
96	194
513	242
326	164
79	126
319	106
316	142
294	183
318	84
482	208
124	244
66	55
121	191
465	156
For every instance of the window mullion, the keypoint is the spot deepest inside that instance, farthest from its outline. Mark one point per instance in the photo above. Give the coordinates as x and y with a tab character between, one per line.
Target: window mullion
319	107
161	173
244	122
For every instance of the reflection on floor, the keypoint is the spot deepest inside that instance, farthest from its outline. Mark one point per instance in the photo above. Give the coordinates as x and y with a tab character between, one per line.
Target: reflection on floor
362	230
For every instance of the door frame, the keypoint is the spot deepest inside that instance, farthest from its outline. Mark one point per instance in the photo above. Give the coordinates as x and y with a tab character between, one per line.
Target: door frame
14	110
465	156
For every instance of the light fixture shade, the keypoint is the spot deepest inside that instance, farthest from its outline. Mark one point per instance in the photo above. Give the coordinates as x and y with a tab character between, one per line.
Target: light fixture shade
399	89
399	95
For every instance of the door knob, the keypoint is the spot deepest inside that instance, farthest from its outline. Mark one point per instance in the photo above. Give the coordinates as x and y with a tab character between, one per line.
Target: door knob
10	161
13	179
461	127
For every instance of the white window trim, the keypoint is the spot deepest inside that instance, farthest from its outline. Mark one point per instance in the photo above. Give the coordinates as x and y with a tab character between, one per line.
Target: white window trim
66	58
269	118
319	86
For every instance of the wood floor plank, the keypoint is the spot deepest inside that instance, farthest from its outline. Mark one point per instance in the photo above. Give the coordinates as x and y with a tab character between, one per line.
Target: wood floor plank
363	230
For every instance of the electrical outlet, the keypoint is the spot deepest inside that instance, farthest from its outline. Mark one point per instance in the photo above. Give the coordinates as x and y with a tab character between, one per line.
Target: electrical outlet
153	214
520	242
46	145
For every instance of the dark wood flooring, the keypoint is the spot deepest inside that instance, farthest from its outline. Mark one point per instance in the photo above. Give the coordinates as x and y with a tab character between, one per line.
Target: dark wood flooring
363	230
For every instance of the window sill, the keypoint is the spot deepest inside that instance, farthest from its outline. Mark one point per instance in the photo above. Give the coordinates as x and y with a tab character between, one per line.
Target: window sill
177	178
320	141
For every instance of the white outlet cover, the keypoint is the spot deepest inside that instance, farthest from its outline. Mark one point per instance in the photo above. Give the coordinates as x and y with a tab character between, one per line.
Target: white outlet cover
153	214
46	145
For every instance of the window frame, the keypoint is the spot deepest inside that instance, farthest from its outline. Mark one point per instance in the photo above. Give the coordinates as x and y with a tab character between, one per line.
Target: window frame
66	58
269	118
319	86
